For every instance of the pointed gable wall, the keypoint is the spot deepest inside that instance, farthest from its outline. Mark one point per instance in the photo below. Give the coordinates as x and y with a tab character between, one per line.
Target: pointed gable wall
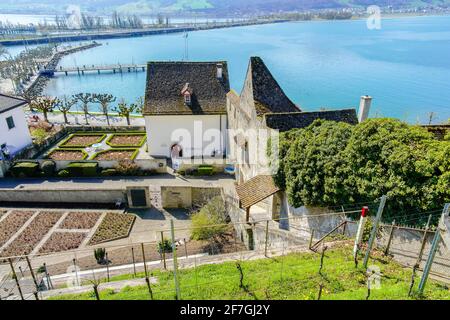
263	91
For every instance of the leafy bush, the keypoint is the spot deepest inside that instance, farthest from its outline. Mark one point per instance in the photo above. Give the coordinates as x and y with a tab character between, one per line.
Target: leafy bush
39	135
127	168
25	169
108	172
100	255
83	169
164	246
210	221
205	170
330	163
63	173
48	167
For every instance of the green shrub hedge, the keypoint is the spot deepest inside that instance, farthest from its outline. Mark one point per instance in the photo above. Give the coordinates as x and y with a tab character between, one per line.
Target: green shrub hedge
83	169
205	170
25	169
140	144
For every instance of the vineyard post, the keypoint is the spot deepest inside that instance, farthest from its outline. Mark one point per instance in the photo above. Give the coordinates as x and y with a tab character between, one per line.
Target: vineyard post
16	278
163	249
32	273
419	256
391	234
374	230
134	261
433	249
174	258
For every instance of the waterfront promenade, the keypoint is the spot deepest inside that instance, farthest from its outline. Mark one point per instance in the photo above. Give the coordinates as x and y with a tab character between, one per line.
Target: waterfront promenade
88	36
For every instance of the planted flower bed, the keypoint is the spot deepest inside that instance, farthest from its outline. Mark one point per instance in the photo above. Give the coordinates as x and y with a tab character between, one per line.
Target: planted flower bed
125	140
82	140
80	220
12	223
116	154
32	234
67	154
62	241
114	226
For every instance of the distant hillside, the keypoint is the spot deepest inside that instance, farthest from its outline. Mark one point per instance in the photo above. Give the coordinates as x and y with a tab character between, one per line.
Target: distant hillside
217	7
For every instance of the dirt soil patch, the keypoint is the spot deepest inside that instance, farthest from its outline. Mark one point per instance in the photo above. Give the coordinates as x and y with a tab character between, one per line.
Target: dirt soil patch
80	140
12	223
32	234
115	155
80	220
66	155
132	140
63	241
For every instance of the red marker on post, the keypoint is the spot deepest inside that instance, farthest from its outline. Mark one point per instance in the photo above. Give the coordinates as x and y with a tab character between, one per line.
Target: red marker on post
359	233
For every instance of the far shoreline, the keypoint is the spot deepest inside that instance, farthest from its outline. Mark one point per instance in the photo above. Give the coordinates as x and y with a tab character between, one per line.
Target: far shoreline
119	34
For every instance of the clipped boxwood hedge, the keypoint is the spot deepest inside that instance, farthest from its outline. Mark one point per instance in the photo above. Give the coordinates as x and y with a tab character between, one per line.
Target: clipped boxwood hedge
205	170
83	169
101	136
140	144
25	169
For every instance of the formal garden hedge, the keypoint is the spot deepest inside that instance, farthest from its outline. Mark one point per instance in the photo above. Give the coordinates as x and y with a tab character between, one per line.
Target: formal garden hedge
127	140
82	140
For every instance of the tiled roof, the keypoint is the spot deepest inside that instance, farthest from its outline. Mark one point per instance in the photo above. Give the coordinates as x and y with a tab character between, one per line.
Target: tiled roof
165	80
267	93
256	190
9	102
439	130
292	120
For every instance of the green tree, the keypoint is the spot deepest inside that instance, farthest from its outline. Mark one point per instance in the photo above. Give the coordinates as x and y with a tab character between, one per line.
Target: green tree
313	167
104	99
209	222
332	163
85	99
125	110
44	105
64	106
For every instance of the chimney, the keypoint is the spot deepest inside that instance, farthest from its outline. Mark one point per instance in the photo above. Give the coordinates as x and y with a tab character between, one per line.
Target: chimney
219	71
364	108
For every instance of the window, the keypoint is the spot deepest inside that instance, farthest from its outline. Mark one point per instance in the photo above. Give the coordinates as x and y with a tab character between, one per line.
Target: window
187	98
10	122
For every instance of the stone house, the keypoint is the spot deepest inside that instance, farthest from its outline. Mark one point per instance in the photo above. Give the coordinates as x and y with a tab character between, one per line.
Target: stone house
258	113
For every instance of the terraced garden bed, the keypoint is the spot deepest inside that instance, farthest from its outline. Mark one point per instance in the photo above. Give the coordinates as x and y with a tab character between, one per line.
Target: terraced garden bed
80	220
64	154
82	140
116	154
113	227
63	241
122	140
32	234
12	223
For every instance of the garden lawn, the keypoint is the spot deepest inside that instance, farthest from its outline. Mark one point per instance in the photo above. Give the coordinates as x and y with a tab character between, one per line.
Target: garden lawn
294	276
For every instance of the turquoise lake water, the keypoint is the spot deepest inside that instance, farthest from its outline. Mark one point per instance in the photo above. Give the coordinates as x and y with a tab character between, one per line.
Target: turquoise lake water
405	66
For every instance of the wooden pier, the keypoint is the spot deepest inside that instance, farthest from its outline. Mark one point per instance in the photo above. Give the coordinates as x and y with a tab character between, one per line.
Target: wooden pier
115	68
